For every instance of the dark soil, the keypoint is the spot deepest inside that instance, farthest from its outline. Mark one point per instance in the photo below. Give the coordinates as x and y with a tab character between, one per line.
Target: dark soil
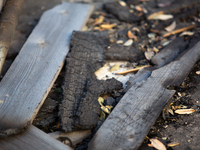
182	129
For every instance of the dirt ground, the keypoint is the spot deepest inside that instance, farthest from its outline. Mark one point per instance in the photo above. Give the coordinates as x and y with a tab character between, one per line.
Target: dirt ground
168	128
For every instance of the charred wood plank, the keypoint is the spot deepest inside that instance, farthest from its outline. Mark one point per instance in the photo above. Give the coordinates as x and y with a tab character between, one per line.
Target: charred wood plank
80	108
31	76
130	121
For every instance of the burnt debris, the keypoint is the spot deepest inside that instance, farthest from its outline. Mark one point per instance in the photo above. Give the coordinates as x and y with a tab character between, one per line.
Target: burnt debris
80	108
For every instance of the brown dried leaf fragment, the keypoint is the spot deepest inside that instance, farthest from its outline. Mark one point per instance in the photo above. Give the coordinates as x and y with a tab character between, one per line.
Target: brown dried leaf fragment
128	43
98	20
108	26
131	36
171	27
122	3
138	8
184	111
157	144
172	144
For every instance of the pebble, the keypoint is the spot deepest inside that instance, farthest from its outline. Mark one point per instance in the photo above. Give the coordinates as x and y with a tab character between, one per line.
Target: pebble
110	101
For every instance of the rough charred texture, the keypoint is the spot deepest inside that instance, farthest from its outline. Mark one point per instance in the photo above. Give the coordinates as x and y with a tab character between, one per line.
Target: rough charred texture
80	108
47	114
122	13
119	52
170	52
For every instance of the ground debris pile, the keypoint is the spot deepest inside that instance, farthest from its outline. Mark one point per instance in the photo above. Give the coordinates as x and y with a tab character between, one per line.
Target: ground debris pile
80	108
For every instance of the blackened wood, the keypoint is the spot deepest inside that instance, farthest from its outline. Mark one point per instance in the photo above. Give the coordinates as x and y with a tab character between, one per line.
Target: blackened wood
130	121
121	12
80	108
166	55
119	52
175	6
31	76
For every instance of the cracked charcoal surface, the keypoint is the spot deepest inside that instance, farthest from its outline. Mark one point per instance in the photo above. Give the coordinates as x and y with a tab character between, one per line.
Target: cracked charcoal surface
80	108
121	13
119	52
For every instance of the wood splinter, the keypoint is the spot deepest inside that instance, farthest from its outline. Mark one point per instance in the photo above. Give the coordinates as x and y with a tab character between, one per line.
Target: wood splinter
131	70
179	30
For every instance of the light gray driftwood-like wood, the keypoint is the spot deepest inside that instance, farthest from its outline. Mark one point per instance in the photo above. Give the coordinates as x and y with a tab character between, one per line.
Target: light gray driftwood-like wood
130	121
32	139
29	79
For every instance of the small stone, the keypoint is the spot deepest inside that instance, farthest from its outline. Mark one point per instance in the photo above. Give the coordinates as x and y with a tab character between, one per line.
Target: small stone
116	94
149	54
128	43
110	101
198	72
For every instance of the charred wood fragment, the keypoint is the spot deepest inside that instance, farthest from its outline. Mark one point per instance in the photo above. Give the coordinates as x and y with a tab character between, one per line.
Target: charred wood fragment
122	12
81	89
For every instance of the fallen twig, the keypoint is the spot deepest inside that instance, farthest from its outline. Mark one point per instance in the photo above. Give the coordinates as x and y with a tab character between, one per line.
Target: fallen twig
179	30
131	70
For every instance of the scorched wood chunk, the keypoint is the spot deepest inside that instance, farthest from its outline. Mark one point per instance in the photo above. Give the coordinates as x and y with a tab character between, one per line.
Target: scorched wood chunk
122	13
81	89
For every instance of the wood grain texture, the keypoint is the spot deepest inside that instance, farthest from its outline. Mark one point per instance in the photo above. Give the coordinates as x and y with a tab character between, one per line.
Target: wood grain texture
130	121
26	84
32	139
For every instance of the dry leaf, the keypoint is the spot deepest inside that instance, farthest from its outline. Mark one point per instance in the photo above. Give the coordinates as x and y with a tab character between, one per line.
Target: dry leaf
115	68
136	29
155	50
108	26
105	109
171	27
157	144
96	28
154	15
186	33
102	115
128	43
85	28
109	107
98	20
138	8
152	36
131	36
171	111
162	17
122	3
101	101
149	54
198	72
184	111
172	144
120	42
